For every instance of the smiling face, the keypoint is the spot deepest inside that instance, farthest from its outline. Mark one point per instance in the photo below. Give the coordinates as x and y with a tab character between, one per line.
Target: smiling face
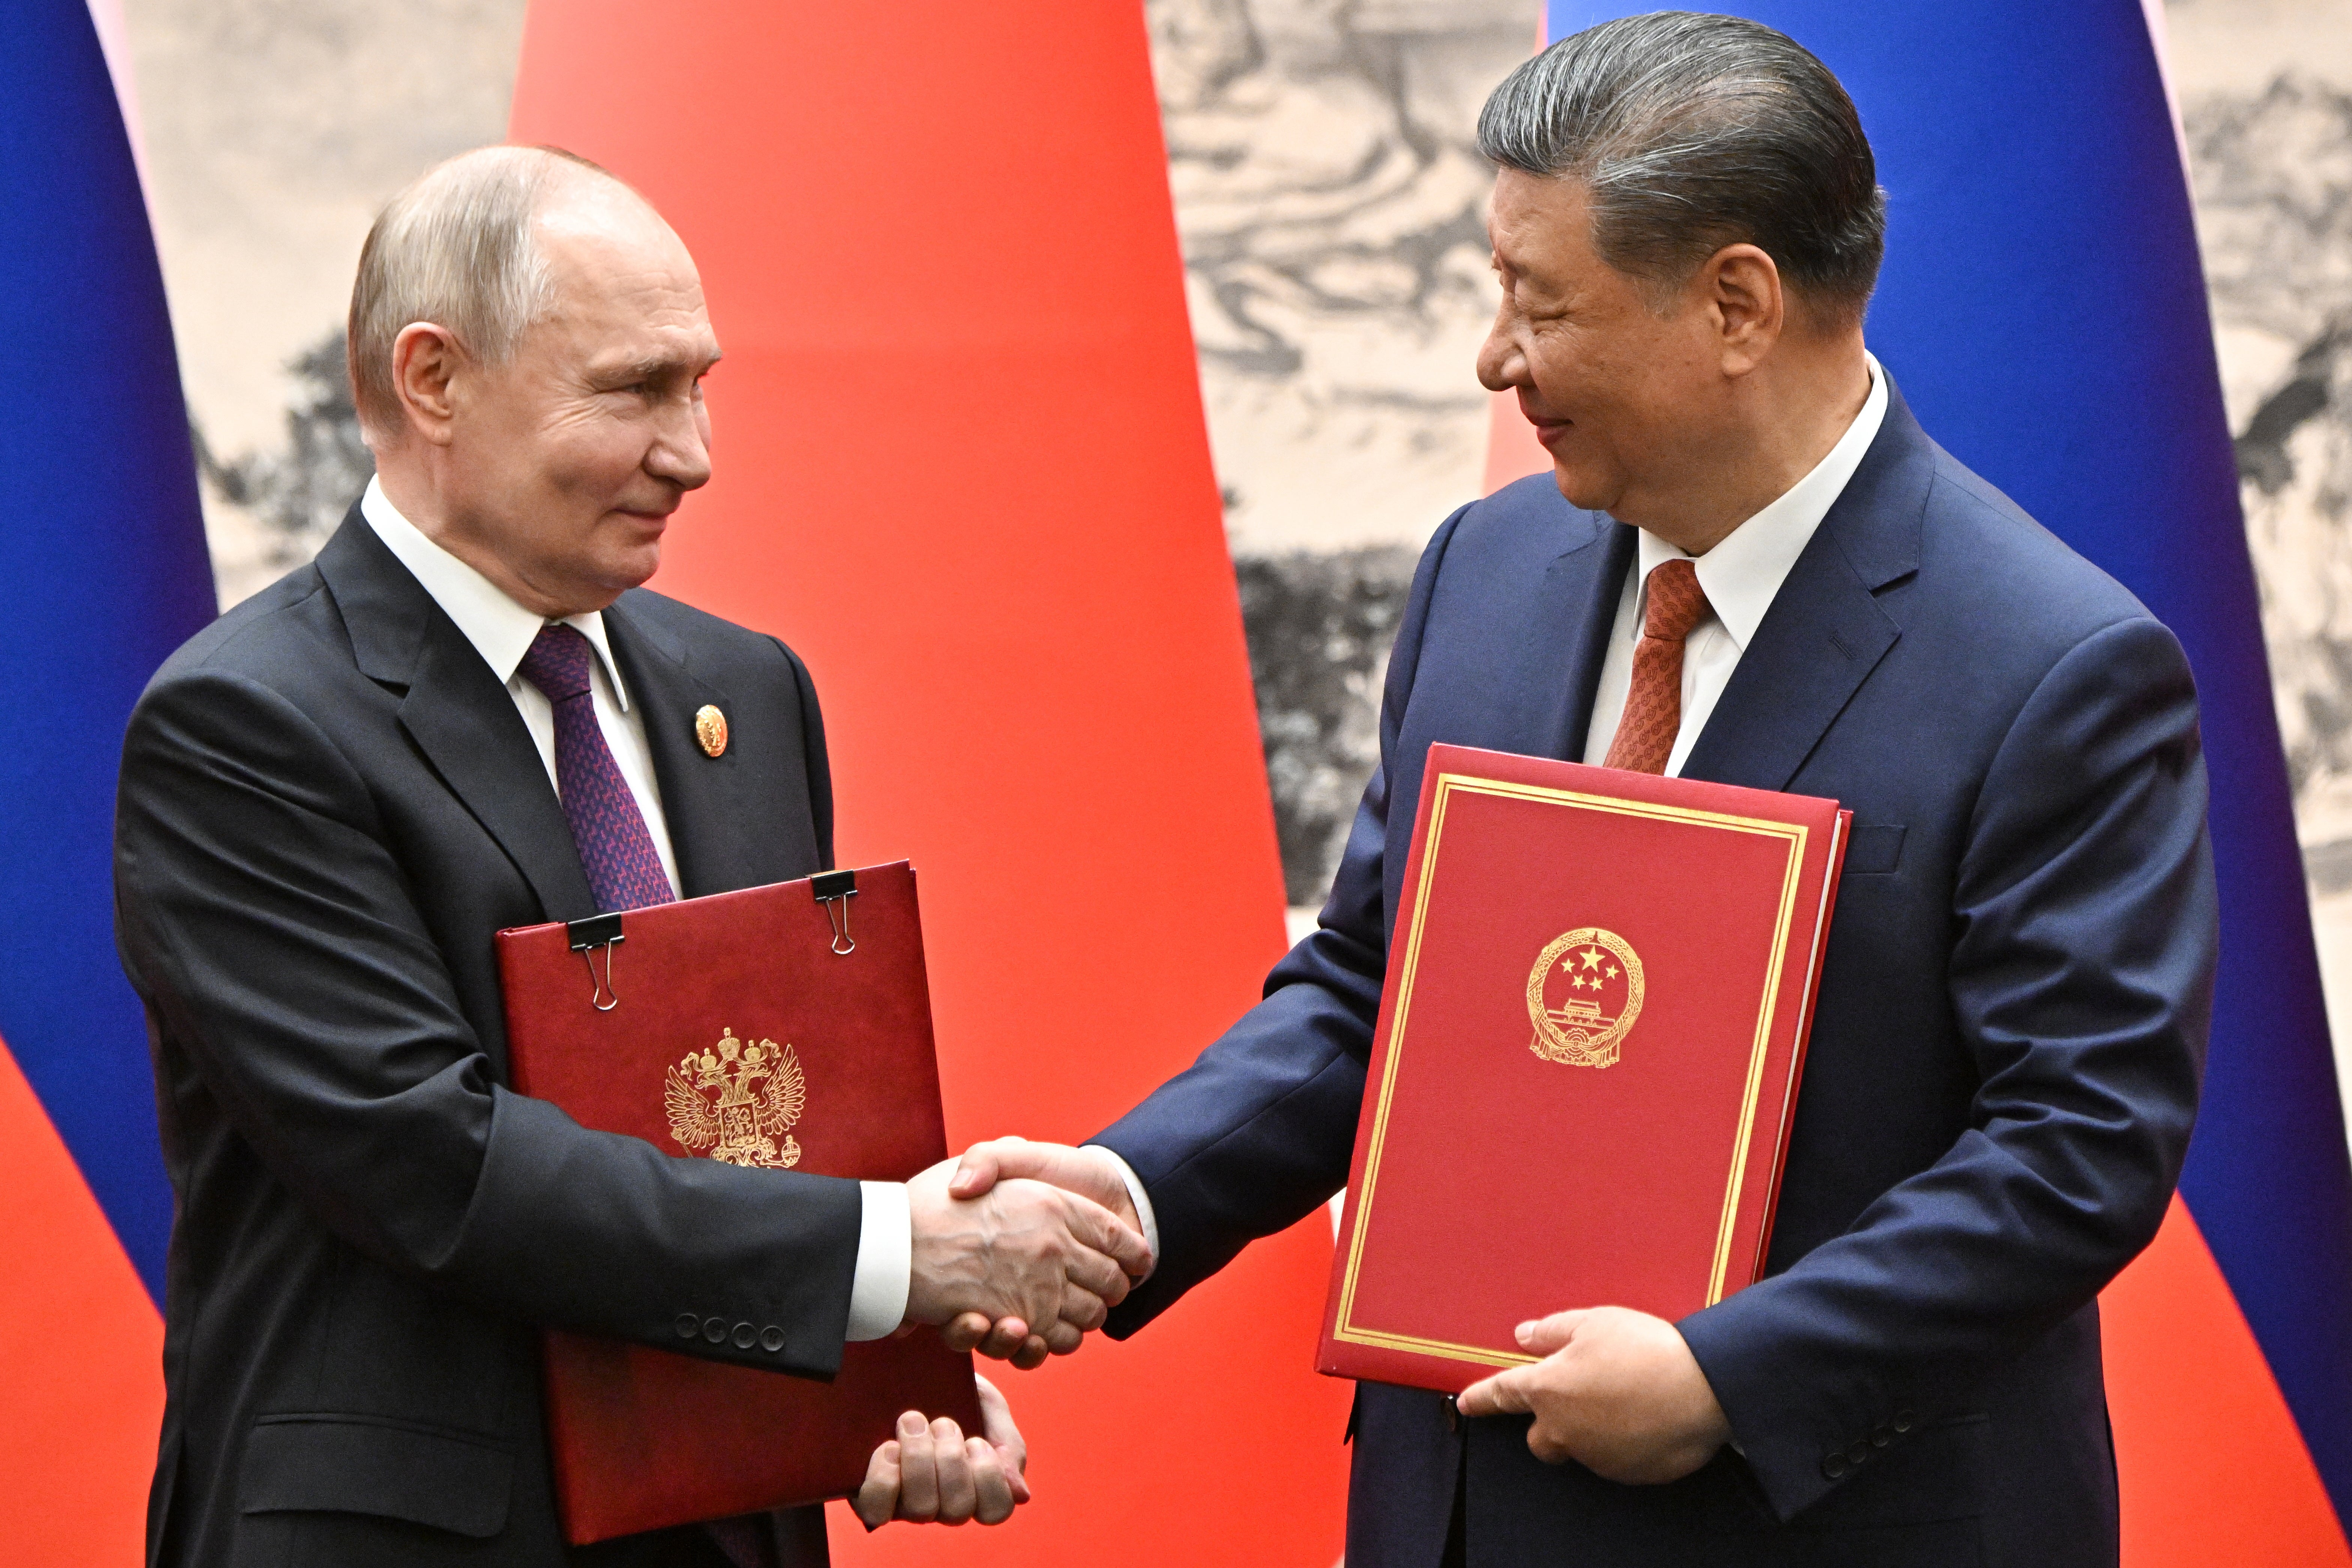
557	470
1627	390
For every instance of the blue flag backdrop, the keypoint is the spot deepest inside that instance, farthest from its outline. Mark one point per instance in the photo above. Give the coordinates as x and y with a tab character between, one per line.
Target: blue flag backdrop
109	576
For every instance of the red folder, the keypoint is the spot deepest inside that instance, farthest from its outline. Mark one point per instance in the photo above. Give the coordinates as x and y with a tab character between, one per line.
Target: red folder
781	1027
1586	1057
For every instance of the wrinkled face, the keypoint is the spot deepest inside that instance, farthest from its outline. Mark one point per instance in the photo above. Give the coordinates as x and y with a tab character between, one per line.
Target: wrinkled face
1625	388
567	461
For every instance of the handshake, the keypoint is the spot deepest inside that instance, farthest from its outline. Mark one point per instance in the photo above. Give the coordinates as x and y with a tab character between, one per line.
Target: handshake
1019	1250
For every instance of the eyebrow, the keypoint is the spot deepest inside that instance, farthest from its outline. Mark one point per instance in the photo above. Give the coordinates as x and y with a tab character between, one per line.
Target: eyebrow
657	365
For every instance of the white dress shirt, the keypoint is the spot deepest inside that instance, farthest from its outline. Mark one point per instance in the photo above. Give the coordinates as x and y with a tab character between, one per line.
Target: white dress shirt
1740	576
502	632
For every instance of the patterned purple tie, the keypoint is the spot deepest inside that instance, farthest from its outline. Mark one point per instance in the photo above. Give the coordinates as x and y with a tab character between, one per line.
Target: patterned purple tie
625	870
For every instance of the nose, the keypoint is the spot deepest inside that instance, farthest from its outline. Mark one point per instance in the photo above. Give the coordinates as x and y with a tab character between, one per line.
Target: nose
681	448
1502	365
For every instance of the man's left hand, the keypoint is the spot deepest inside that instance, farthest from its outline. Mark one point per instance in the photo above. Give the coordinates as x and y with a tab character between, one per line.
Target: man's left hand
1618	1392
933	1474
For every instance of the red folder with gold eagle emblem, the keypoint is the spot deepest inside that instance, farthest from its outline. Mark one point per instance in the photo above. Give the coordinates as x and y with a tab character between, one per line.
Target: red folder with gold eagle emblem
779	1027
1586	1063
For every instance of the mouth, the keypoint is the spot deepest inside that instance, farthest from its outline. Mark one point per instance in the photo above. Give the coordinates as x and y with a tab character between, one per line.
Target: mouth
1548	430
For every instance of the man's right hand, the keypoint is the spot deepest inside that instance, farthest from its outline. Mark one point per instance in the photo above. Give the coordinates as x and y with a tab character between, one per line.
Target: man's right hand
1024	1255
1090	1172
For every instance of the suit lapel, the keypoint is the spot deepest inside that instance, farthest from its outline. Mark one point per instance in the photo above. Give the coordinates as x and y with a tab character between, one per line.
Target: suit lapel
459	716
1580	594
1826	630
708	800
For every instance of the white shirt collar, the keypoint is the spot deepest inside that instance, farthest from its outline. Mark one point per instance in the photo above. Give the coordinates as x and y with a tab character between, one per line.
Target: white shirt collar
501	630
1744	571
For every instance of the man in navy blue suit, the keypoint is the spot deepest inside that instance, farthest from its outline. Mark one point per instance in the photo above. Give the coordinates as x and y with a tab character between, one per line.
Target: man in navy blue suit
1751	565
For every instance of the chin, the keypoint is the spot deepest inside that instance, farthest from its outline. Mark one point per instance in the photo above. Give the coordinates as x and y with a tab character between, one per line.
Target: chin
1582	489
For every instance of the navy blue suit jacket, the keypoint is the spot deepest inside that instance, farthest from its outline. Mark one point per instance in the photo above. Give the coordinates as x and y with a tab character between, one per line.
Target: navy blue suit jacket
2002	1073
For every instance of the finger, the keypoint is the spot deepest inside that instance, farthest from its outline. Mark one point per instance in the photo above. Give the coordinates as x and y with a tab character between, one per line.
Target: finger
965	1331
1035	1350
979	1169
1501	1395
1108	1234
1546	1335
918	1474
997	1425
1083	1309
1007	1340
877	1498
1061	1339
1096	1272
958	1494
992	1488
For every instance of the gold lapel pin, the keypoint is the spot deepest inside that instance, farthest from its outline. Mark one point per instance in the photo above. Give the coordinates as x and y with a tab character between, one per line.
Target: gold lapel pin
710	728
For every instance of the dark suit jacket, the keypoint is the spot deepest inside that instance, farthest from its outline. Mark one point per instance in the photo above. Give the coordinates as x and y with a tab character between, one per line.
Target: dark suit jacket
2002	1072
327	805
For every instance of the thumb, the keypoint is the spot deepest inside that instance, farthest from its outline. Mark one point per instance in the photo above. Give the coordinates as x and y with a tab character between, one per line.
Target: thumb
1546	1336
982	1166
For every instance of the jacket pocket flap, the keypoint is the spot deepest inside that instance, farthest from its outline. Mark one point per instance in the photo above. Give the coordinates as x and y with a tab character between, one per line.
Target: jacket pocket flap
1874	846
456	1481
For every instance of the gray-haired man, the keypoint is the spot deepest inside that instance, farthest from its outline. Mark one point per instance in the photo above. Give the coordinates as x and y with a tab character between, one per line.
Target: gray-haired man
2004	1064
333	796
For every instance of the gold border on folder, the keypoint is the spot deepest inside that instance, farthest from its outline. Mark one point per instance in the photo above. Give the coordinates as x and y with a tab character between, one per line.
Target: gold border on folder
1345	1329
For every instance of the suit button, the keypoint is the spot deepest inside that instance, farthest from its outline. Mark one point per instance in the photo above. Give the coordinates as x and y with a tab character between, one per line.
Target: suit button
1834	1467
1903	1420
1858	1452
715	1330
1883	1435
688	1325
745	1336
772	1339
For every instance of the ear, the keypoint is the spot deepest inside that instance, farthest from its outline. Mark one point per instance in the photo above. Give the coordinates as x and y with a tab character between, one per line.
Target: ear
427	360
1742	289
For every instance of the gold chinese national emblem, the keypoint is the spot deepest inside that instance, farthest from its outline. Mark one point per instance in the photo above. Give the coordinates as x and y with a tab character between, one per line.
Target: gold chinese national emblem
1583	995
740	1127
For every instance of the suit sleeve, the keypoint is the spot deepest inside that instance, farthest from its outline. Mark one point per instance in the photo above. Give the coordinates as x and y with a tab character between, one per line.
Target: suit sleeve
2081	979
273	934
1259	1130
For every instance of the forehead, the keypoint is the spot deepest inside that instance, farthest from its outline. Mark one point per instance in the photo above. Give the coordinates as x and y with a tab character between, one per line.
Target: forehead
619	271
1539	218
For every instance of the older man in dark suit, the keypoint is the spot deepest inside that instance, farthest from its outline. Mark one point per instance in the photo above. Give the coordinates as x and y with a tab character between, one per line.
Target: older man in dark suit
467	715
1752	565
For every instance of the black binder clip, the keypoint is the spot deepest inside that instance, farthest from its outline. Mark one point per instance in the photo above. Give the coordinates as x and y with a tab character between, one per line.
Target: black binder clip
834	890
595	932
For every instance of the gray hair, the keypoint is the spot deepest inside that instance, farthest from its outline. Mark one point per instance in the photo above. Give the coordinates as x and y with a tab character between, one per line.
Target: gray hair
1692	133
457	249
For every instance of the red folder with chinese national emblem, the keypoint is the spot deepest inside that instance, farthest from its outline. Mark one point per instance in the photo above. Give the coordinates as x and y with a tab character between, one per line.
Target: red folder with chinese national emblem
786	1026
1586	1063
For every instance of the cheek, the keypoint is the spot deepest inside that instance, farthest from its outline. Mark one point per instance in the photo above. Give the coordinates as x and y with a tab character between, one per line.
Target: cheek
592	459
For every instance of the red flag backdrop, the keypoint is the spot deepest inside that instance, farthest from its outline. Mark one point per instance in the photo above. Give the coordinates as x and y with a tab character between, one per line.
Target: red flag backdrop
961	467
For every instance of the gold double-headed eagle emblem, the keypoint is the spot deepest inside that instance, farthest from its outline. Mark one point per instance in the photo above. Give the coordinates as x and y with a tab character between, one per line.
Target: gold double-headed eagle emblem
1583	994
740	1127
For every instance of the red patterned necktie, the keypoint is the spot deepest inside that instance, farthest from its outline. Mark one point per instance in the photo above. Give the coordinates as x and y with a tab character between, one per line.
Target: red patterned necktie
1654	705
624	870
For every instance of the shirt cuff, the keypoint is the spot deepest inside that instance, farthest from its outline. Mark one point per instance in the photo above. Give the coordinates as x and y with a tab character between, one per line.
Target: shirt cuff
1141	1199
886	1262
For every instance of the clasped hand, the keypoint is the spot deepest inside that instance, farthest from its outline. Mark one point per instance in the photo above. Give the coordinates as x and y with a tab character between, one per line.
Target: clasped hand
1039	1264
1088	1175
1618	1392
